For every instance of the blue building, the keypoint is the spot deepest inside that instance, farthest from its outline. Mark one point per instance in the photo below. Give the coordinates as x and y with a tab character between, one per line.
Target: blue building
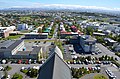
87	43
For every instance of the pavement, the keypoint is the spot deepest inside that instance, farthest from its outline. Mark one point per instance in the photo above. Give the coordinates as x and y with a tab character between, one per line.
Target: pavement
67	53
17	67
107	52
115	71
55	32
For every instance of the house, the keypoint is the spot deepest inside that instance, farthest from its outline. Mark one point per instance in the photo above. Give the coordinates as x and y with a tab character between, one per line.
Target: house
117	48
55	68
98	34
110	41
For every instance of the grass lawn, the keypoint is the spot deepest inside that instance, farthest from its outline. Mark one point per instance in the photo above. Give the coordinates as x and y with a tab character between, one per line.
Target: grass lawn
100	76
25	31
11	37
25	18
39	40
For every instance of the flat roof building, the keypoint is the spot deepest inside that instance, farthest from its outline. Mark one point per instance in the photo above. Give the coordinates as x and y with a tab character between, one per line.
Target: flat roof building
29	54
36	35
87	43
10	47
4	31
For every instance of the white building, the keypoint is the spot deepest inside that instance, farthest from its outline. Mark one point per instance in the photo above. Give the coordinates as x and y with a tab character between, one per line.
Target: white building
22	27
4	31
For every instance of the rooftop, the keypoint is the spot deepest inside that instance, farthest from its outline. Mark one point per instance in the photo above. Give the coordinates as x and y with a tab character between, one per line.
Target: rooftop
88	38
10	44
36	50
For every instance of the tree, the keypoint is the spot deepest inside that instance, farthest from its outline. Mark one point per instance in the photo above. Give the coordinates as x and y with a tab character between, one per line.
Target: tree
89	31
8	68
106	57
32	73
39	30
88	58
17	76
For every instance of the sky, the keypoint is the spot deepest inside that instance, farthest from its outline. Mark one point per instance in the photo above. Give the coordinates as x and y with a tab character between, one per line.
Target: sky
108	4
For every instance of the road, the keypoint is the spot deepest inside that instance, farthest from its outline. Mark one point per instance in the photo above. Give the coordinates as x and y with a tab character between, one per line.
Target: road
107	52
55	32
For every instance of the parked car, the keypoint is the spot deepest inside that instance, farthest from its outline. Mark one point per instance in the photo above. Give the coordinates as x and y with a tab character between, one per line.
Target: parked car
8	77
1	68
19	61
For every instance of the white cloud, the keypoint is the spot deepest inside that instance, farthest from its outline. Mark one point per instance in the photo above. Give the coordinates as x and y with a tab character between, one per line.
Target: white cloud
39	5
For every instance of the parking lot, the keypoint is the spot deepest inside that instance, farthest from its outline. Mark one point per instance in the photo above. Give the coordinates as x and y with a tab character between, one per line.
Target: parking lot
17	67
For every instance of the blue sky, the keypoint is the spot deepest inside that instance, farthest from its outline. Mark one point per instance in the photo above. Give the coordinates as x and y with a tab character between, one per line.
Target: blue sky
25	3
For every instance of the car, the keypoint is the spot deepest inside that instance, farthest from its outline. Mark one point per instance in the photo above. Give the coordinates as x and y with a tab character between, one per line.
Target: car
8	77
35	42
26	62
64	50
92	53
30	61
24	68
43	61
52	43
74	61
96	53
68	62
19	61
116	59
44	42
38	41
35	61
1	68
36	67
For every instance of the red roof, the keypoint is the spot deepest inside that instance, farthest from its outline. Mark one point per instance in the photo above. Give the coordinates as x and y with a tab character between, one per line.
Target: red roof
73	26
66	33
62	31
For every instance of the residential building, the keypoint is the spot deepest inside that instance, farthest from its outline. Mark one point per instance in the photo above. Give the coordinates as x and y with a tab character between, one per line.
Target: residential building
98	34
87	43
117	48
110	41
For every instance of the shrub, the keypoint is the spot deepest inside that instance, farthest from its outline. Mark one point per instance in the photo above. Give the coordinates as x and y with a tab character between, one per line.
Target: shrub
17	76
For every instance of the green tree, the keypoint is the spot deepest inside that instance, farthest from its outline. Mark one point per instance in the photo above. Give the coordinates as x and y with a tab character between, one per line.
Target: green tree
17	76
39	30
32	73
89	31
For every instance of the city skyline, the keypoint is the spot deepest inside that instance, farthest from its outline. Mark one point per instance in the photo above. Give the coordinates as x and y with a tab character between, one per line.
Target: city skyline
95	4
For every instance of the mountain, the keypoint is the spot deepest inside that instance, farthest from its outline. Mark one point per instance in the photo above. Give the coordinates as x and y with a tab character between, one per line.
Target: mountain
68	7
